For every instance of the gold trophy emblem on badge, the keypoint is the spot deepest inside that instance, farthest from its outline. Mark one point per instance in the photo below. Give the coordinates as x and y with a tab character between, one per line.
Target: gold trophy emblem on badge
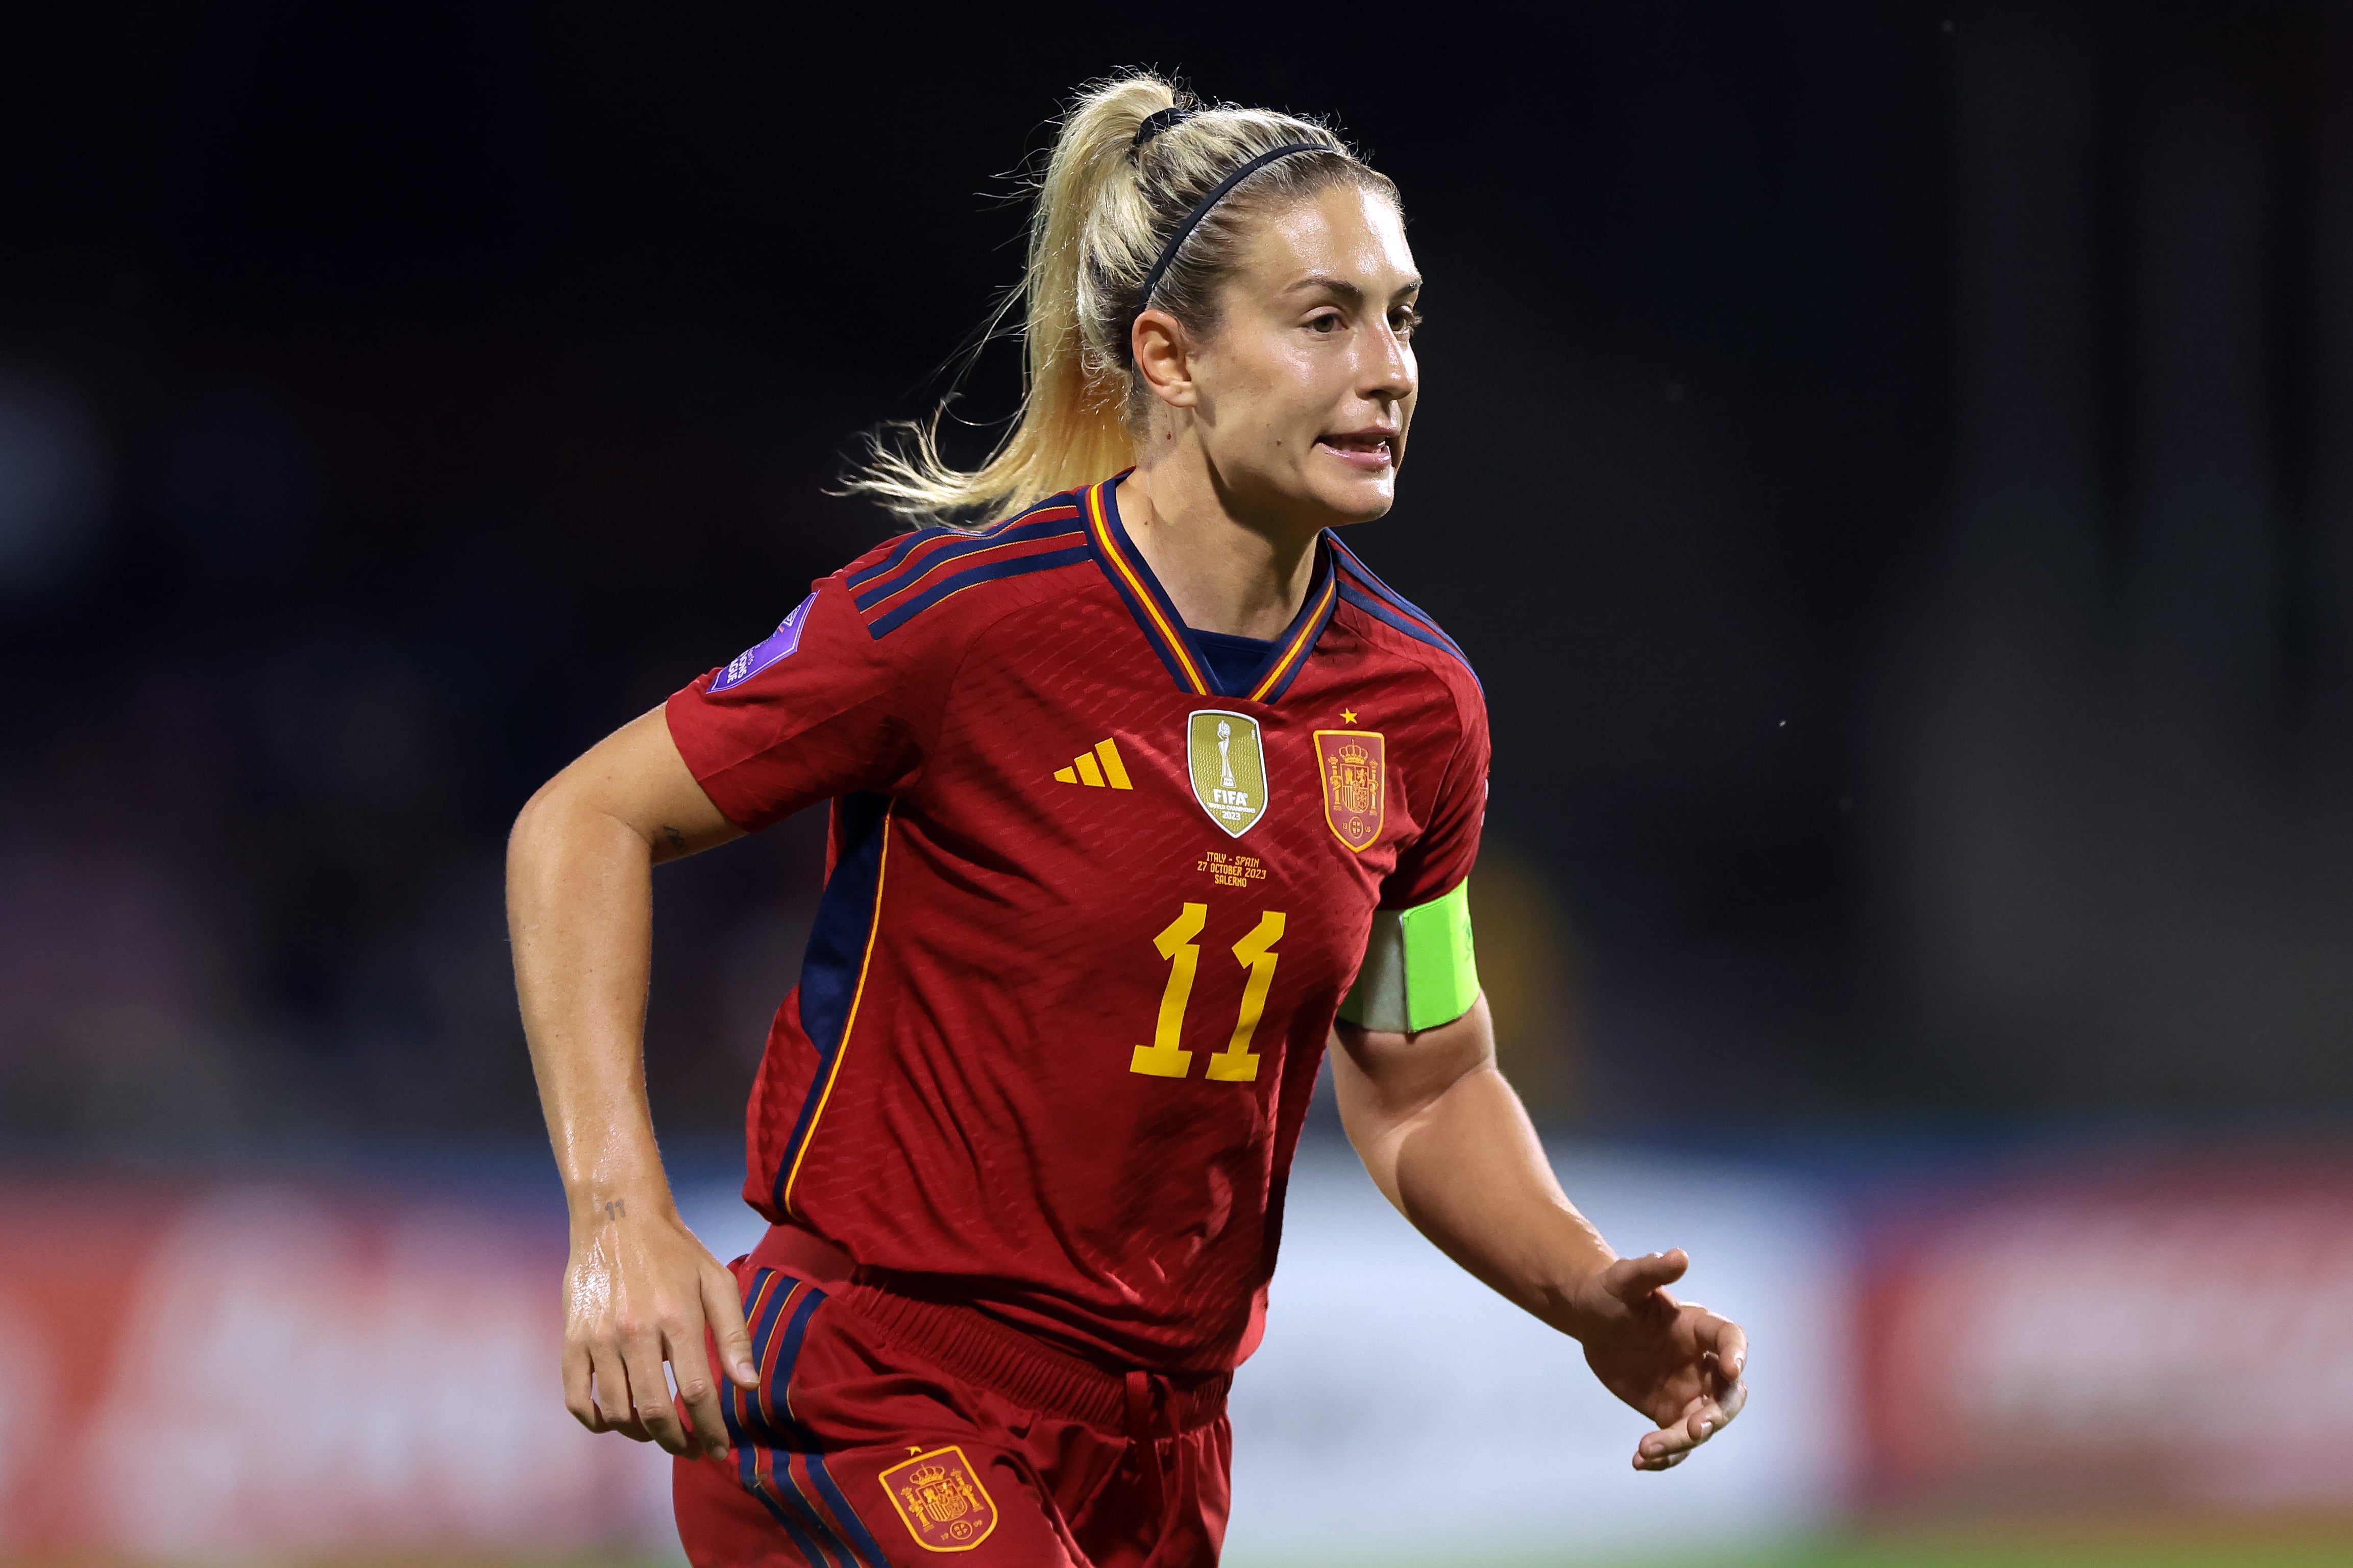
1227	760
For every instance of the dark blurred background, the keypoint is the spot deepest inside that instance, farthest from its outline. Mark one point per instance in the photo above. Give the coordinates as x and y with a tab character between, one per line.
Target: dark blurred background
1886	460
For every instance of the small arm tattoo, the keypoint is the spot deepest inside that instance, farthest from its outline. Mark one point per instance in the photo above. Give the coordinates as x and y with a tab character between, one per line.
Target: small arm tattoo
618	1209
677	839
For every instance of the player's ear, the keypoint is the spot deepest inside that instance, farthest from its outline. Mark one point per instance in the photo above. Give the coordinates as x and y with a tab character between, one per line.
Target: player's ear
1164	358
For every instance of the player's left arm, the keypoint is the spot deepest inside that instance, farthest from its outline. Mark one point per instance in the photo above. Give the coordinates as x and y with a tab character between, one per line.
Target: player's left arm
1448	1142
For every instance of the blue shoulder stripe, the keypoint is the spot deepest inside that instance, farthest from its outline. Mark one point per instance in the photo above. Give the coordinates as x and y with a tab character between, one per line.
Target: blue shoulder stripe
995	539
1427	623
1384	610
923	536
1418	630
898	553
988	571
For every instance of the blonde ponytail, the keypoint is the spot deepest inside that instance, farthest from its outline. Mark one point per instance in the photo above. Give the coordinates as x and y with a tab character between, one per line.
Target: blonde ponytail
1103	208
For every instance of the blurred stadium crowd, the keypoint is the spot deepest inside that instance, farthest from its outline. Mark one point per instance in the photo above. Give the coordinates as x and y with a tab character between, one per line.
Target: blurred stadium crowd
288	646
1887	465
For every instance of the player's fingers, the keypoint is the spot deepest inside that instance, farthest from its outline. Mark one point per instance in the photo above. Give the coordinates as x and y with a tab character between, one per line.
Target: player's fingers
578	1397
1703	1418
610	1392
1698	1423
648	1390
1630	1279
1732	1398
1729	1343
1657	1447
1653	1459
649	1400
699	1392
725	1312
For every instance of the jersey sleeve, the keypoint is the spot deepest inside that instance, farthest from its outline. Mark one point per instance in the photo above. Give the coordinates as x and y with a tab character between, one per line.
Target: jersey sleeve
821	708
1438	860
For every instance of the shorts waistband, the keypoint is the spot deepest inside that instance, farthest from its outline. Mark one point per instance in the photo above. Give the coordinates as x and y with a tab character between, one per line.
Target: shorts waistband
971	1345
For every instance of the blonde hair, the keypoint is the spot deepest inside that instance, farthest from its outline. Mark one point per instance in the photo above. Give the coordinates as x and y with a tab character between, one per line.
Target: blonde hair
1103	209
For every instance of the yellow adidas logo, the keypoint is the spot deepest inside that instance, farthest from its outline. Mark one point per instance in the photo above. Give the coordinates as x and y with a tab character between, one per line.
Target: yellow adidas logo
1084	771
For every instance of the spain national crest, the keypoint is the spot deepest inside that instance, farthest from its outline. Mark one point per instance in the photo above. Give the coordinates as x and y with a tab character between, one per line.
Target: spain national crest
1352	765
1229	767
943	1504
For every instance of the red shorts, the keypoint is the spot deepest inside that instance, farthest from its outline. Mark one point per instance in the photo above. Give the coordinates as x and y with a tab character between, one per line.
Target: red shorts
890	1430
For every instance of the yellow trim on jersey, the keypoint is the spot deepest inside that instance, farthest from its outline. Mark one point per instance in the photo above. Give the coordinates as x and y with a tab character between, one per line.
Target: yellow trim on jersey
849	1025
1142	594
1298	643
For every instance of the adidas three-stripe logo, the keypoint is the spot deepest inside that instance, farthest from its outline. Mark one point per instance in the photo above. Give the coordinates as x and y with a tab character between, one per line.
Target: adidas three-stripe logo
1084	770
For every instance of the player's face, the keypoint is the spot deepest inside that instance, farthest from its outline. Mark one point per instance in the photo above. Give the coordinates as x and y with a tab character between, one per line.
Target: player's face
1307	385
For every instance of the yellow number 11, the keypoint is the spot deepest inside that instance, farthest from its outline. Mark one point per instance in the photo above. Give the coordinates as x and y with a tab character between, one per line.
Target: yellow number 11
1166	1056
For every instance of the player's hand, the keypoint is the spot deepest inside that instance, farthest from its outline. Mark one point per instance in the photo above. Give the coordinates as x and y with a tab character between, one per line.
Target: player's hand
641	1291
1677	1363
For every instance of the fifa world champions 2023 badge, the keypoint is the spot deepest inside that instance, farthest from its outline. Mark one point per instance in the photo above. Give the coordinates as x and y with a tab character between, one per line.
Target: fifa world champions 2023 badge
1351	765
941	1502
1227	761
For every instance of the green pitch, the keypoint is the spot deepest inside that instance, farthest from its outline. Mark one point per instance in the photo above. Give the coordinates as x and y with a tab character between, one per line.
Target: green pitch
2209	1548
2205	1548
2025	1552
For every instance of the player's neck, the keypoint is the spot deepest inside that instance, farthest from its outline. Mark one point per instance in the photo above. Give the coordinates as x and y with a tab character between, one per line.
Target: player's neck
1242	576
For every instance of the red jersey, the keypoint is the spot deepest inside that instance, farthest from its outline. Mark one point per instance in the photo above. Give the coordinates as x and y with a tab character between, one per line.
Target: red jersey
1087	915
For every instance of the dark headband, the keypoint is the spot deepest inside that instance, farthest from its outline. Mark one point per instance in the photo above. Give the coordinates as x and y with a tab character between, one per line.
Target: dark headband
1161	120
1202	209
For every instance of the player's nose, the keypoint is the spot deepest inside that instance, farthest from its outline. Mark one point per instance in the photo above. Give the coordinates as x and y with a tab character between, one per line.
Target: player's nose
1387	374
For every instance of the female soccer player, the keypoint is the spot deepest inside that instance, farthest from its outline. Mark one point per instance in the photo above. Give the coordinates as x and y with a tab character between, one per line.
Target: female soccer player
1132	794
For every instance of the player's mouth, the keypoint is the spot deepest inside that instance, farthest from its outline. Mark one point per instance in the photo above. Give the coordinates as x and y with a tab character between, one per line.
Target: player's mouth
1372	449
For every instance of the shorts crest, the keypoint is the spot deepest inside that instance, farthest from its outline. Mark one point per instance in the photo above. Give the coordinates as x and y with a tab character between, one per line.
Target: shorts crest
941	1502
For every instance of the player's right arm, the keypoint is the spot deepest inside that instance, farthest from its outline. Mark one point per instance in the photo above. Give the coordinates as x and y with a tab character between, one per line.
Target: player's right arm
824	706
640	1288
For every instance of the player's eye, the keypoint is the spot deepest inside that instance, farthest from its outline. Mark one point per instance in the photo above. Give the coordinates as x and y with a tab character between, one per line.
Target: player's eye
1405	320
1326	323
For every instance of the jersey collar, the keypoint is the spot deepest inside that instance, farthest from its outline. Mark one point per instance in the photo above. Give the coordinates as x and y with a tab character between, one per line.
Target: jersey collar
1165	630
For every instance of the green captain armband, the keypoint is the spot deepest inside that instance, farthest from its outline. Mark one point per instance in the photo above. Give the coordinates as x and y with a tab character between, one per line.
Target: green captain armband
1419	971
